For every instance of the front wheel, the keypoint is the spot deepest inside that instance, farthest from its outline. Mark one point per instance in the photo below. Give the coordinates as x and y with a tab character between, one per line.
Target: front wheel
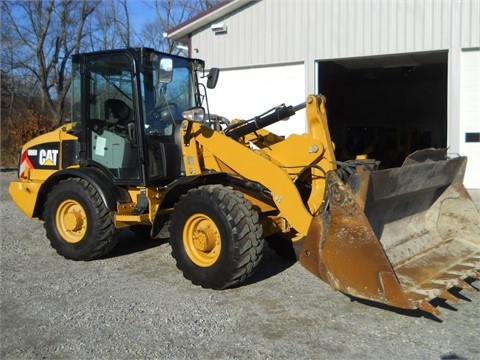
216	238
77	221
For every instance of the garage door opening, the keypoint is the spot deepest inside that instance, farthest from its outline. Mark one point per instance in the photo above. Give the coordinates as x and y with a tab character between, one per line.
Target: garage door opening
386	106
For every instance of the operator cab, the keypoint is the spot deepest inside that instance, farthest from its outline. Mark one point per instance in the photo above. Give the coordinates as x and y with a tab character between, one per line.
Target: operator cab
127	109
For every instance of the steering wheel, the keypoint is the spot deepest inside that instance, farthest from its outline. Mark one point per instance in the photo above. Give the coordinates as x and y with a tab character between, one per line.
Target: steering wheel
162	117
97	125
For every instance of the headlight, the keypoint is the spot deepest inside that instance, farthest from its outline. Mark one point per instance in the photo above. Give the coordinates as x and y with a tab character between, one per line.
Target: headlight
196	114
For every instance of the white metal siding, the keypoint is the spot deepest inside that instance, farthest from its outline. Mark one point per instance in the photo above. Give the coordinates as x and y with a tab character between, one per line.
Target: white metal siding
470	115
470	20
279	32
239	95
270	32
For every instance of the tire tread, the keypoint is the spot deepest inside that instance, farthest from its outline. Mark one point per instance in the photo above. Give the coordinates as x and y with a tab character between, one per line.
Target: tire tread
246	230
104	240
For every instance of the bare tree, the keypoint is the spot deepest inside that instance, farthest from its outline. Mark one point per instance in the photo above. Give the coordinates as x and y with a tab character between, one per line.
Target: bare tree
38	38
110	26
171	13
122	22
43	36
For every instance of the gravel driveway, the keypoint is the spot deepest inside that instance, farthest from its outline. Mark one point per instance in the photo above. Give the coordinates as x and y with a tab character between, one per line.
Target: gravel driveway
135	304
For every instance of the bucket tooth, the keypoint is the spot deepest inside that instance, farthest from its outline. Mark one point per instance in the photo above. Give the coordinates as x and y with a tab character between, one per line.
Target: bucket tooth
447	276
452	274
447	280
426	306
444	282
448	296
463	285
426	293
466	264
457	273
475	275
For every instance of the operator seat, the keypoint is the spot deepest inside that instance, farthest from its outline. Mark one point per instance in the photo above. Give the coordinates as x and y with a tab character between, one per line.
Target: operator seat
117	112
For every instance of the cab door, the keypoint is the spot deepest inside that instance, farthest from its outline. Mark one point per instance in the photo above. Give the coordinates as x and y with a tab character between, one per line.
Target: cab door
111	118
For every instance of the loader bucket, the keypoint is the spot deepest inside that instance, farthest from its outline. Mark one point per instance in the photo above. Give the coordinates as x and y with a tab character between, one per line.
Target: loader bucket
401	236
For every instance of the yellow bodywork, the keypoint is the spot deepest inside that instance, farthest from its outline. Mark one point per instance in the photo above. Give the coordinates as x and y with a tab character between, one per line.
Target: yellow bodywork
123	216
269	161
400	236
25	195
25	190
273	162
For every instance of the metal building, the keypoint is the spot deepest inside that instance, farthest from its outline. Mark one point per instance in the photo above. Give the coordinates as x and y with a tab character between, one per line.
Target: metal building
398	75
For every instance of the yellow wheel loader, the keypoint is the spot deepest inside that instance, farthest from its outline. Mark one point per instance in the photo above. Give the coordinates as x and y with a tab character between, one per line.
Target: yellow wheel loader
142	148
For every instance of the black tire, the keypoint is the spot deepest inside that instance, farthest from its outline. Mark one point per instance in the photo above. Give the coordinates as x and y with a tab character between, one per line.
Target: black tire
77	221
216	238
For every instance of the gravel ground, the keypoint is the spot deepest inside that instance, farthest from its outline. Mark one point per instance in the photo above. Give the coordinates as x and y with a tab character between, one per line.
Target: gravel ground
135	304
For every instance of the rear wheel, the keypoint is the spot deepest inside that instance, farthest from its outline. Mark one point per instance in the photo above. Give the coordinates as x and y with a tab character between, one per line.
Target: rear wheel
216	238
77	222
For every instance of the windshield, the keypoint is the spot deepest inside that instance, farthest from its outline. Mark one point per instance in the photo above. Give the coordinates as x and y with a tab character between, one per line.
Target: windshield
166	96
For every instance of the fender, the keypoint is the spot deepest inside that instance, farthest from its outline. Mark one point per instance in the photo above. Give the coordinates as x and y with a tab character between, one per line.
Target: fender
182	185
179	187
110	193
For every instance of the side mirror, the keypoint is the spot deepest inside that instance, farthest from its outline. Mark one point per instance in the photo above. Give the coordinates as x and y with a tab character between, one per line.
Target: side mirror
212	77
165	71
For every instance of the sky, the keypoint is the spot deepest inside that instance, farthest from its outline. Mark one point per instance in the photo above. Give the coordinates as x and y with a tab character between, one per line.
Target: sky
140	13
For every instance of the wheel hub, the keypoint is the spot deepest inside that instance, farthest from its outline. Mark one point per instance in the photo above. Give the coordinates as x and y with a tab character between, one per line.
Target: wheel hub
71	221
202	240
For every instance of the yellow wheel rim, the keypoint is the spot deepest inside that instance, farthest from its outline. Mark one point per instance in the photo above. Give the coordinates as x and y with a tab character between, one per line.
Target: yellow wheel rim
71	221
201	239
